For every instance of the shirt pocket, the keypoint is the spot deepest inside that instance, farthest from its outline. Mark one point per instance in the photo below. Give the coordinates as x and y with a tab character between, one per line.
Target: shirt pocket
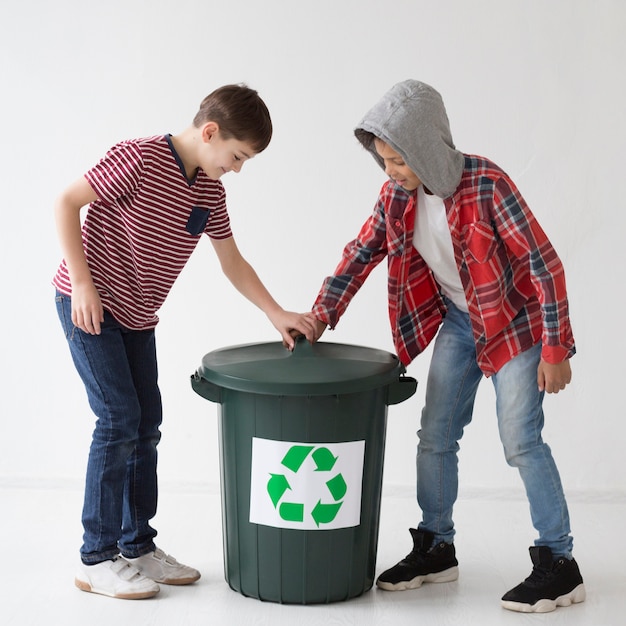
197	221
395	237
481	241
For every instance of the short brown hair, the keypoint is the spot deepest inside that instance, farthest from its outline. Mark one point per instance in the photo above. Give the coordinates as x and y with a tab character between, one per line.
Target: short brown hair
240	113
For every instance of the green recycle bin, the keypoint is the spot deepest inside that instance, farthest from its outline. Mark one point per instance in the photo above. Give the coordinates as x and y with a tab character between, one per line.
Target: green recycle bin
302	437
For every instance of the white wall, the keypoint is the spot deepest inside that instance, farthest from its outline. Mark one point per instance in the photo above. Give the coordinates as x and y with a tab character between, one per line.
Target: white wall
537	86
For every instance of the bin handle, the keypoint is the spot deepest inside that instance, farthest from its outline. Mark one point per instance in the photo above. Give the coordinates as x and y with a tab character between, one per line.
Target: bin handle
401	390
205	388
302	347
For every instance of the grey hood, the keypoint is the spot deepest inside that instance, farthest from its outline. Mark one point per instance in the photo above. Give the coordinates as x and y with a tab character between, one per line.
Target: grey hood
412	119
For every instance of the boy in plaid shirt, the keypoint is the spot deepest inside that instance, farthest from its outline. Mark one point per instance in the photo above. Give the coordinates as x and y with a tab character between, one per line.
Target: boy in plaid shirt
469	264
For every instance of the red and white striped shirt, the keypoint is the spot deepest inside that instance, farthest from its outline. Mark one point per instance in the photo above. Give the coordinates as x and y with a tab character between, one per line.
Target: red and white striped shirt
144	226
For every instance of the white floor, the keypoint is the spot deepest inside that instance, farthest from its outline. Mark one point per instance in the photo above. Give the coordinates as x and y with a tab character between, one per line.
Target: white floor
40	532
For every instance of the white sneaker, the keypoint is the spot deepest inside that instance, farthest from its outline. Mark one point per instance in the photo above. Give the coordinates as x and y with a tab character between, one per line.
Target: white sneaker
117	579
163	568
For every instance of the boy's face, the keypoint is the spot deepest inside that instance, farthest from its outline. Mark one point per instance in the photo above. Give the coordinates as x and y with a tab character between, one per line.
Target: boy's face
219	155
395	167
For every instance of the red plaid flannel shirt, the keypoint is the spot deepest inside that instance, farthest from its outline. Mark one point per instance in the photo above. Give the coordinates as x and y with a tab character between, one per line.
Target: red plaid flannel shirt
513	279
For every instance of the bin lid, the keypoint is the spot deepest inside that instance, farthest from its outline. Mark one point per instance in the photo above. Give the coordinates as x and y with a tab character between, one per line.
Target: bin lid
318	369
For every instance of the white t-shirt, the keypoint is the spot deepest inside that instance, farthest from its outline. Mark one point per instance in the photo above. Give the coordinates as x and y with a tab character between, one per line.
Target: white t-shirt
433	241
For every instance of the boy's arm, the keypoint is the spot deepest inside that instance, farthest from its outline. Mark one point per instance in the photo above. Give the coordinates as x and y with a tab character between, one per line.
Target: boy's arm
359	257
87	311
525	238
243	277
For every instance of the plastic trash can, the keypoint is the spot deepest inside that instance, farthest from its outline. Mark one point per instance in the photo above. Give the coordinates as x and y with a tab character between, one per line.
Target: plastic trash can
302	439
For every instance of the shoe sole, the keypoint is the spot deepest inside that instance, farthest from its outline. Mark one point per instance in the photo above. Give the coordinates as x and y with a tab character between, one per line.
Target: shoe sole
139	595
546	606
446	576
178	581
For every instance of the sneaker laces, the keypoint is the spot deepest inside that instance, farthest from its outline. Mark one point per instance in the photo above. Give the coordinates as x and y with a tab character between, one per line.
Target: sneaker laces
411	558
417	555
542	574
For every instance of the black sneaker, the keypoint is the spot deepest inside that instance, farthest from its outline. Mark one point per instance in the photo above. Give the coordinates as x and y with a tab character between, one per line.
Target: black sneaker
425	564
550	584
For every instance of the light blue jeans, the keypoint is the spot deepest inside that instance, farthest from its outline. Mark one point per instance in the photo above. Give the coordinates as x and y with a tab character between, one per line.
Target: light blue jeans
119	371
453	379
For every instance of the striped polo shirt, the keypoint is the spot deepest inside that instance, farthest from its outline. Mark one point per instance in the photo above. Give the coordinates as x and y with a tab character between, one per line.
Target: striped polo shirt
144	226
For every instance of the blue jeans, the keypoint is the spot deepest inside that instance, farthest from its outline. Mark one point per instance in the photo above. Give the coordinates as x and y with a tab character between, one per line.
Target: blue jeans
119	371
453	379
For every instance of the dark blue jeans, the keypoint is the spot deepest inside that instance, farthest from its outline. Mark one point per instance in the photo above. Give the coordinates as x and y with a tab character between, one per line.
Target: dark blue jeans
119	371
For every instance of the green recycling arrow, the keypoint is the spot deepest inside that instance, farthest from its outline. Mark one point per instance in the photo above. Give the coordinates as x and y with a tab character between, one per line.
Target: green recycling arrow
295	457
337	487
324	460
291	511
276	487
325	513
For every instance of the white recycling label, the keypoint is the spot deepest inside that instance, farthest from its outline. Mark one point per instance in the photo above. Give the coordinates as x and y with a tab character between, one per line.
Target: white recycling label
306	486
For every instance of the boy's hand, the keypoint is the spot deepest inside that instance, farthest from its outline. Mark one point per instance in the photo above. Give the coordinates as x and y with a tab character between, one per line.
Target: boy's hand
319	328
290	325
553	377
87	311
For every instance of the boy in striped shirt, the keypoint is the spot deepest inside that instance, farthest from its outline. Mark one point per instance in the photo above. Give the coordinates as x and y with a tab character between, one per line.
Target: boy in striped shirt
150	200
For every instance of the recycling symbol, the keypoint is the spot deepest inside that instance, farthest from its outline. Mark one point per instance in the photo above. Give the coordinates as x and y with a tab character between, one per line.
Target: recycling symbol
328	504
